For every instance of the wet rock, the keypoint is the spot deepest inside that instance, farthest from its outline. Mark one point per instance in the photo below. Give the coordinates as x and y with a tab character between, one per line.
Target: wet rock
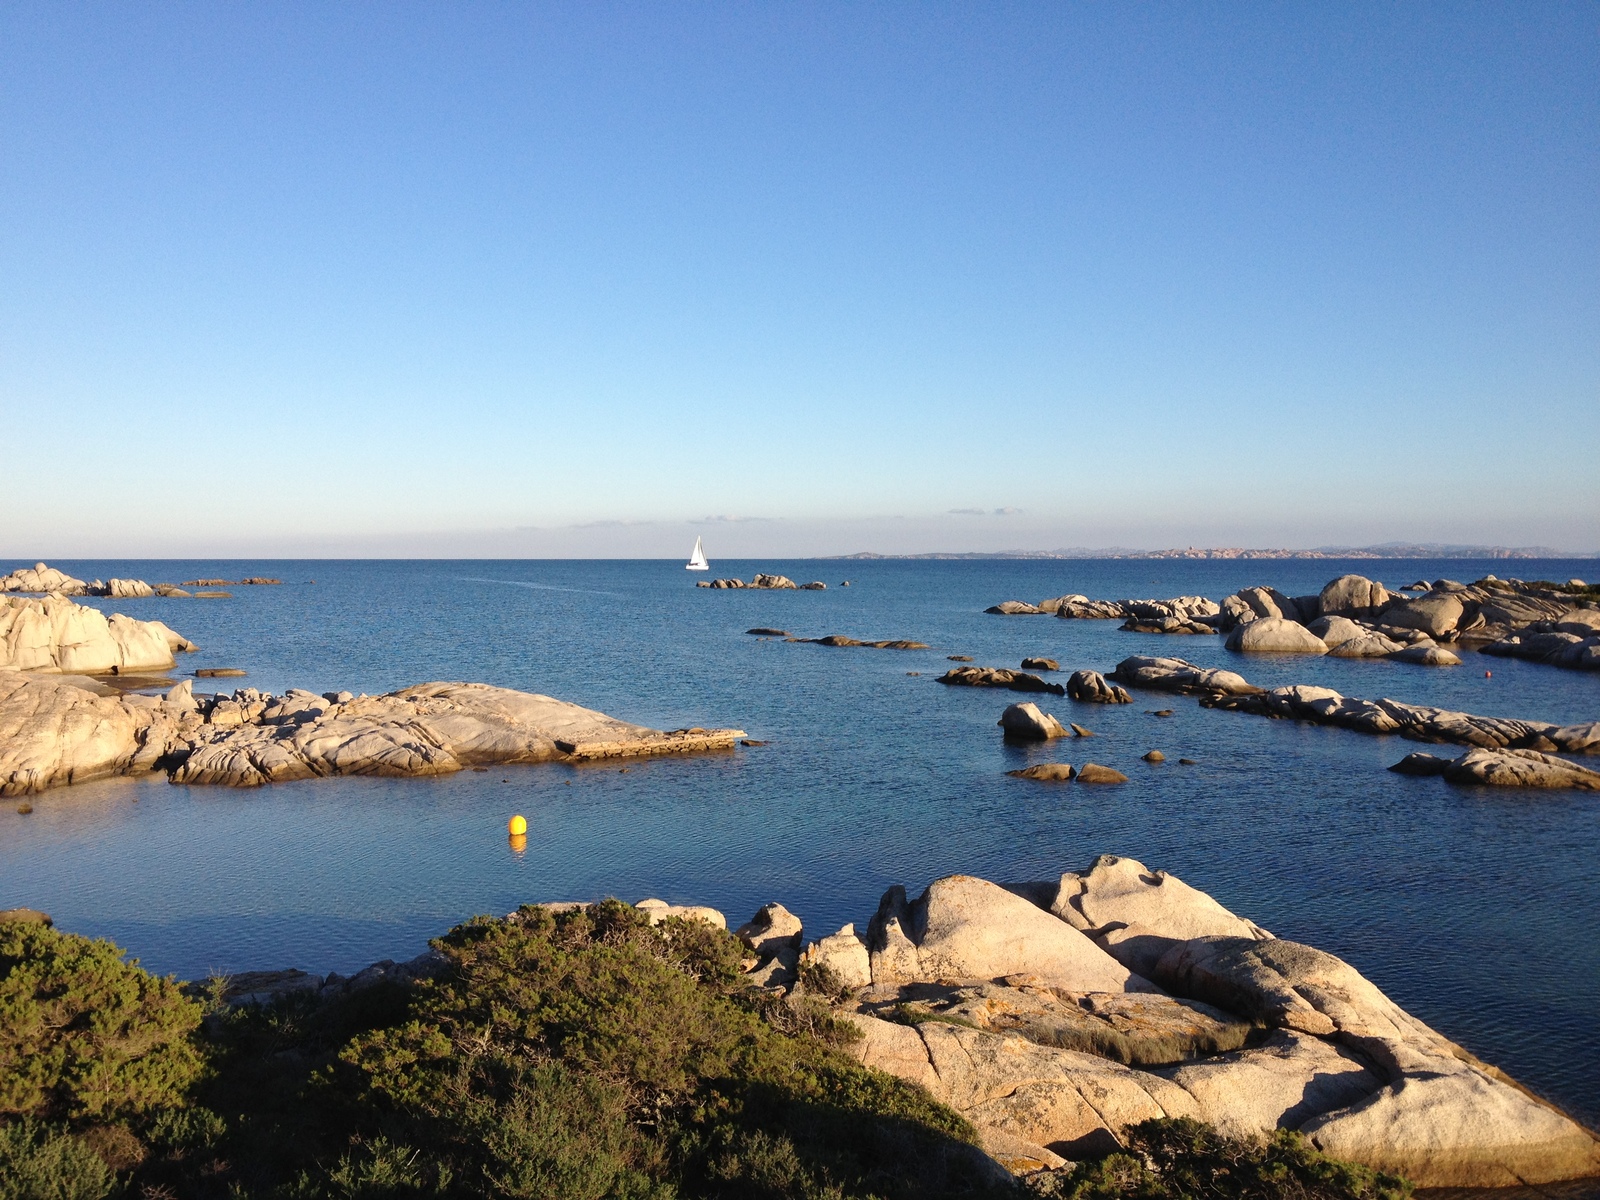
839	639
959	657
219	672
1427	656
1420	763
1025	722
1155	756
1040	664
1045	772
780	582
1080	731
816	585
999	677
1095	773
1092	687
760	631
1519	768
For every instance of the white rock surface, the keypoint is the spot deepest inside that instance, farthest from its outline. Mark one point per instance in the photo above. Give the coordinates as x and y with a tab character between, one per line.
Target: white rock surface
1275	635
57	635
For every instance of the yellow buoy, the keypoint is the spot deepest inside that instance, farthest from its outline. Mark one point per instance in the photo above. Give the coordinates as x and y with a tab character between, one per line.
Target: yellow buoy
517	826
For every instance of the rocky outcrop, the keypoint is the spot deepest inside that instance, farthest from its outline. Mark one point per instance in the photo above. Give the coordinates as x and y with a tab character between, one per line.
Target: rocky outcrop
839	639
1572	640
1180	614
56	732
1053	1047
1014	608
999	677
1173	625
1503	768
1275	635
43	580
1026	723
1352	595
1091	687
763	582
1324	706
55	634
1175	675
1096	773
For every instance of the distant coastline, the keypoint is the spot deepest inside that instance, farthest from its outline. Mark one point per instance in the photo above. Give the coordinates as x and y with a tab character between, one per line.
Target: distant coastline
1388	550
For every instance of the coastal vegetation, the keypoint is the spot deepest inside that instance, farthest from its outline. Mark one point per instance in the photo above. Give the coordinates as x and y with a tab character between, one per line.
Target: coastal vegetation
578	1054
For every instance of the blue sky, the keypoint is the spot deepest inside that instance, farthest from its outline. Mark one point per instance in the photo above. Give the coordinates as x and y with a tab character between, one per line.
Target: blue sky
806	278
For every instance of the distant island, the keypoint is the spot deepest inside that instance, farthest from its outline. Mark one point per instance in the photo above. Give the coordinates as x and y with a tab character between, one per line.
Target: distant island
1386	550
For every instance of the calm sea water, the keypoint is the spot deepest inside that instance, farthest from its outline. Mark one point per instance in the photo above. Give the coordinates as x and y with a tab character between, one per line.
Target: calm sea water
1477	909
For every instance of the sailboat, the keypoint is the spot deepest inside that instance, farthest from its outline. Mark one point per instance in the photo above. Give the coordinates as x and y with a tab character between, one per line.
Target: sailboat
697	560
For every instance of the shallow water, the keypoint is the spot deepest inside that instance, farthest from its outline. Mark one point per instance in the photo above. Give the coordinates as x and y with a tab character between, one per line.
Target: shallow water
1474	908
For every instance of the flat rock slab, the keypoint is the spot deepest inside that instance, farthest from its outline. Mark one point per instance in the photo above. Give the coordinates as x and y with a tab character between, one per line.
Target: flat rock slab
1000	677
52	733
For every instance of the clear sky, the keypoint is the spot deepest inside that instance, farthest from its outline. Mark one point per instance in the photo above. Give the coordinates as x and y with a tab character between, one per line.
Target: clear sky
590	279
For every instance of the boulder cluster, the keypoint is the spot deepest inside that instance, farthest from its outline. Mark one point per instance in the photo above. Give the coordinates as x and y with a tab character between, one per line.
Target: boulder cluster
55	731
767	582
46	581
1356	617
1055	1015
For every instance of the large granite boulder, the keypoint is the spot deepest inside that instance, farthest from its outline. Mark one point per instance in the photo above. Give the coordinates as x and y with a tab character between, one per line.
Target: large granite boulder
1436	614
1518	768
1275	635
1027	723
1352	595
55	634
1050	1069
54	732
964	928
1258	603
42	579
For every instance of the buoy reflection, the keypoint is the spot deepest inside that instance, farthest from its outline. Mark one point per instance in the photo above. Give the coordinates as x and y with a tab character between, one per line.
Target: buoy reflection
519	843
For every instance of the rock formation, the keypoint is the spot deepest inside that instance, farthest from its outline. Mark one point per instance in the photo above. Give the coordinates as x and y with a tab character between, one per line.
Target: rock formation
1503	768
1056	1015
56	634
1092	688
54	732
44	580
1175	675
1026	723
1275	635
763	582
839	639
1000	677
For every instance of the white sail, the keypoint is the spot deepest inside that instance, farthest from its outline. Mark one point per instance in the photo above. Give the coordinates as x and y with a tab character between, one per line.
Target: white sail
697	560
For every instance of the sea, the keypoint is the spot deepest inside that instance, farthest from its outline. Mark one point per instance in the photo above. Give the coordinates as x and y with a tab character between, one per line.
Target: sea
1478	909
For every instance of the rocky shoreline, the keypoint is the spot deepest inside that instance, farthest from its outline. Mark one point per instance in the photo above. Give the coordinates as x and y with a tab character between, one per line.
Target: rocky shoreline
1056	1015
1356	617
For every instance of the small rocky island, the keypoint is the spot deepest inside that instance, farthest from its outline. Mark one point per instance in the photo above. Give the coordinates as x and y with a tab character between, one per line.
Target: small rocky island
1356	617
60	723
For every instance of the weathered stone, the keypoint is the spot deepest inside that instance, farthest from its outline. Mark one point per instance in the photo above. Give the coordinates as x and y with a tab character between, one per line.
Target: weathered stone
1095	773
1014	608
1175	675
44	580
1040	664
999	677
844	955
1519	768
57	635
1418	763
770	930
1092	687
1275	635
782	582
659	911
963	928
1436	614
1352	594
1045	772
1155	756
1026	722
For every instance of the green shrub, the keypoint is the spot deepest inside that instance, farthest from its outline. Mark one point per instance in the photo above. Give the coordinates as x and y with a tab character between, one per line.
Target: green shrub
44	1162
1183	1159
86	1036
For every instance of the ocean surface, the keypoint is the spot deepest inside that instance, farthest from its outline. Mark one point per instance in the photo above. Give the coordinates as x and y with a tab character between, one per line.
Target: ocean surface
1477	909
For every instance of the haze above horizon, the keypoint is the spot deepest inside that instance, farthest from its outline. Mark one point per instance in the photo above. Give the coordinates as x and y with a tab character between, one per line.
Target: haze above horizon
590	279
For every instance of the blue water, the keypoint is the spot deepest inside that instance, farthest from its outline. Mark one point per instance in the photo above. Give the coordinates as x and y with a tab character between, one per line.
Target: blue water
1475	908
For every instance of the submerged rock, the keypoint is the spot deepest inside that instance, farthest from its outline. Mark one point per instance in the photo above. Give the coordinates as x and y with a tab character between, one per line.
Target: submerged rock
999	677
1175	675
1095	773
839	639
1046	772
1040	664
1014	608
